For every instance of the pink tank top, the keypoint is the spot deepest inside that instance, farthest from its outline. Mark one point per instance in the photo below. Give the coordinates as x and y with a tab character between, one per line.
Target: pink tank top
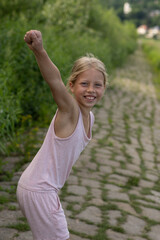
52	164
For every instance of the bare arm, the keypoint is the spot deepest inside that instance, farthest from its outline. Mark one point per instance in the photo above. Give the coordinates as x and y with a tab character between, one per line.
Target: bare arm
49	71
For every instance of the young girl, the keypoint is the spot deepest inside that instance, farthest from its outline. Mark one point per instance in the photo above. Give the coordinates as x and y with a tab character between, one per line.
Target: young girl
67	136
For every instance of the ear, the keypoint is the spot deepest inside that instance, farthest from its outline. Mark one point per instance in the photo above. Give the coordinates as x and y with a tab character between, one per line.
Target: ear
71	86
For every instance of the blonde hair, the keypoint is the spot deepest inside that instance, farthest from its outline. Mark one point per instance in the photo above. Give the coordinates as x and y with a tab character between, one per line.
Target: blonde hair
84	63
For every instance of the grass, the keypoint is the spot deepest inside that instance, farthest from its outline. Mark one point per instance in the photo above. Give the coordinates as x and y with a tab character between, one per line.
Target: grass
64	193
108	206
88	197
22	227
6	175
4	199
151	49
12	208
104	195
122	164
126	155
157	186
117	229
132	182
136	208
127	127
146	191
25	146
142	164
83	235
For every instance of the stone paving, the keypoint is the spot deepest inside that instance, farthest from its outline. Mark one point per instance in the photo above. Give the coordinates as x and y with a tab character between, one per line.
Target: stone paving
113	192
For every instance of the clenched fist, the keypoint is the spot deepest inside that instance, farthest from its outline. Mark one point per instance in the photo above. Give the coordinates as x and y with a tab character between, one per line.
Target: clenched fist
33	38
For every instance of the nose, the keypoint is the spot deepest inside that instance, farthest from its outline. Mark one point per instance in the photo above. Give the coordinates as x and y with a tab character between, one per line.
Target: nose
90	88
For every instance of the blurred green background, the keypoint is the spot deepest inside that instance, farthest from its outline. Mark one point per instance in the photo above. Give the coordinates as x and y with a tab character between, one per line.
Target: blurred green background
70	29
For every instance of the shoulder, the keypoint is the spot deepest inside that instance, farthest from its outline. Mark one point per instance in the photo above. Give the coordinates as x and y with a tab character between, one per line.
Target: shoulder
92	118
92	115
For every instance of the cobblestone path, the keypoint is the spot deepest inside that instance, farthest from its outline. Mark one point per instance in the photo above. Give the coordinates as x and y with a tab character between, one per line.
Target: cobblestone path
113	192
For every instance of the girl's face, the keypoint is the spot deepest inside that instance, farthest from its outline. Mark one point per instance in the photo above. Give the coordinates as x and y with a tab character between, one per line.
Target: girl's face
88	88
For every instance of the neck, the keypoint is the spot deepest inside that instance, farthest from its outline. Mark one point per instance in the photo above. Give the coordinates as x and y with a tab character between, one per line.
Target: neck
85	111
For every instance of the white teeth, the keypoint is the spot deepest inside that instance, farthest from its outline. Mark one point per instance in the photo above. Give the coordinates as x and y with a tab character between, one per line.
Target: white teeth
90	98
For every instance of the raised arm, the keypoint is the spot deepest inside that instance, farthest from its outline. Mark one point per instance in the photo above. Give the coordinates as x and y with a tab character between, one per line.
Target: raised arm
49	71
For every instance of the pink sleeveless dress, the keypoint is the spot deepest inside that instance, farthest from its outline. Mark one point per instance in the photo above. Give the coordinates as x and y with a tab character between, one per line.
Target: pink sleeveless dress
45	176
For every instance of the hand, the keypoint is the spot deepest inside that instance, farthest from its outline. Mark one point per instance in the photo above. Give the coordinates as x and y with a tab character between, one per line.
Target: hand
33	38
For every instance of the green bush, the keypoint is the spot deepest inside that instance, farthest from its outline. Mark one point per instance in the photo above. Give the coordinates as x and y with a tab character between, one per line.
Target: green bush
152	50
9	110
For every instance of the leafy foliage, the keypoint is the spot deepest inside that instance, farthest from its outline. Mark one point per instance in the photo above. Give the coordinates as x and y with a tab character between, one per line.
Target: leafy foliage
65	15
16	8
152	50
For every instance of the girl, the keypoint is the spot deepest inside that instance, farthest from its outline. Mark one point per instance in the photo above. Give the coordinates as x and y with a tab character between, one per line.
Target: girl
67	136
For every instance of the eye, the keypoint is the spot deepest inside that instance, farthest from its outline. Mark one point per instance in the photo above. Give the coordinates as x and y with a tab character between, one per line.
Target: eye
98	85
84	84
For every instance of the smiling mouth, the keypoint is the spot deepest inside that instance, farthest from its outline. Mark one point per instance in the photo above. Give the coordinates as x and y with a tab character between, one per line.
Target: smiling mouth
90	98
